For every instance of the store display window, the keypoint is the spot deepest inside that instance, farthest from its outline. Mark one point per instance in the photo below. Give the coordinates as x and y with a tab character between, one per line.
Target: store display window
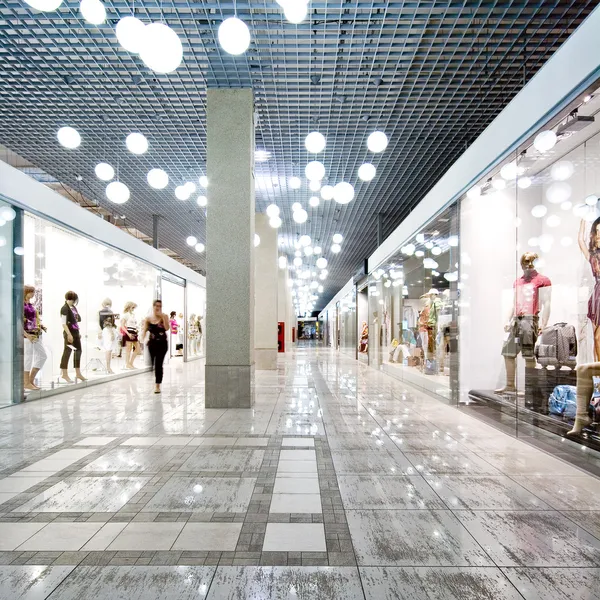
11	340
529	278
83	307
347	316
362	321
173	299
413	308
196	322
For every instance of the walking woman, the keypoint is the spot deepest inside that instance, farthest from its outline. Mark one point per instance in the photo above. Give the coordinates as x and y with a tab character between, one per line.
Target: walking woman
157	326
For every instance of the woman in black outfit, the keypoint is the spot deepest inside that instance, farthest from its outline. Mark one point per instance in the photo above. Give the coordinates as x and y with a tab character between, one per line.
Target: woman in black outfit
157	326
72	337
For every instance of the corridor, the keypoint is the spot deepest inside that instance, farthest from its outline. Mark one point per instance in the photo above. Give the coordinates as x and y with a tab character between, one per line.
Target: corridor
341	483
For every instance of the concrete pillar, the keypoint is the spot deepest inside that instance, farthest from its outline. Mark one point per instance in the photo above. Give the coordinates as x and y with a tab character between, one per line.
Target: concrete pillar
265	295
230	249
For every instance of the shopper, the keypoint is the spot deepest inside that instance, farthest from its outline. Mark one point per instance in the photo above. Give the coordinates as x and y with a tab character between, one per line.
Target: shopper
157	326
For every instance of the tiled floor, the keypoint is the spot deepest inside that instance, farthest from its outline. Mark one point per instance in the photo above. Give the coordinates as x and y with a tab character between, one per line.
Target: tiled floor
341	483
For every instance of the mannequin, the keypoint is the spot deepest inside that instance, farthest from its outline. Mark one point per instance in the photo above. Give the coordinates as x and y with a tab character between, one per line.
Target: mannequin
192	332
532	298
585	389
428	321
364	338
199	337
591	251
129	330
174	325
35	354
72	337
107	335
181	334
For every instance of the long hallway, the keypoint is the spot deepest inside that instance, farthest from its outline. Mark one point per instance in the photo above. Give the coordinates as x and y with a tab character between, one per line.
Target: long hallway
341	483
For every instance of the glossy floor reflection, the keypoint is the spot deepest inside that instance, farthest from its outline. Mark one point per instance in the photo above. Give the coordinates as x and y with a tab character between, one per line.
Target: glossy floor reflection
341	483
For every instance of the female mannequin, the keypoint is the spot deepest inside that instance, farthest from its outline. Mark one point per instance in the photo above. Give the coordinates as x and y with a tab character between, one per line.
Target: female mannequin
35	353
109	340
199	336
157	327
590	249
129	330
174	334
364	338
72	338
192	333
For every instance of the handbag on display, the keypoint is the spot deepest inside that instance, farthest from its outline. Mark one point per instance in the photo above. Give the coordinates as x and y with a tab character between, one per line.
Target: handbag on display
557	346
563	401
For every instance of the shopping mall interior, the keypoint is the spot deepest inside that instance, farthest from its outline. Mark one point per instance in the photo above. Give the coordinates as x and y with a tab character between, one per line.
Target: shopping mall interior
299	300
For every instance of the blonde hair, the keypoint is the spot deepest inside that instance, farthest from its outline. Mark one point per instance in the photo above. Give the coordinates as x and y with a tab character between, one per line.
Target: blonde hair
28	289
106	302
129	306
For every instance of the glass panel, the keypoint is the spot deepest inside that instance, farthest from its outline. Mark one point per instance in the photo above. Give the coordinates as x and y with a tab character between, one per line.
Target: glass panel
362	316
196	322
114	292
173	299
11	340
348	339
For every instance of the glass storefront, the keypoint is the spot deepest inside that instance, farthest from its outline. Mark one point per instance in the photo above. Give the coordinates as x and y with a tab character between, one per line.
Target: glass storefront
495	303
173	300
74	307
347	316
196	323
362	320
412	301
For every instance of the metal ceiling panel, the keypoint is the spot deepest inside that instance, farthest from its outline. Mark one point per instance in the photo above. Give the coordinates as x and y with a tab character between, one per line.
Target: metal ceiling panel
431	74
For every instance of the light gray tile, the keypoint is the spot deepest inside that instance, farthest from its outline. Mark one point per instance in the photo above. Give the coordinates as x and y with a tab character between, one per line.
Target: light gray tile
301	583
61	536
222	537
586	519
384	491
296	466
556	584
219	441
533	462
147	536
12	535
103	538
302	442
297	455
135	460
294	537
439	583
531	538
136	583
86	494
28	582
484	492
296	485
258	442
296	503
412	538
141	441
6	496
173	441
95	441
203	494
19	484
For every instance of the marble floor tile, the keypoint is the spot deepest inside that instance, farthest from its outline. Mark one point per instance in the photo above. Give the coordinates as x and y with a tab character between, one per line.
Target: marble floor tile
439	583
135	460
455	463
219	441
296	466
298	442
85	494
236	460
532	539
7	496
494	492
146	536
12	535
66	537
297	455
104	537
174	441
379	462
209	537
141	441
427	444
295	537
556	584
296	503
30	582
203	494
564	492
412	538
286	583
72	454
390	492
252	442
48	466
367	442
95	441
296	485
136	583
